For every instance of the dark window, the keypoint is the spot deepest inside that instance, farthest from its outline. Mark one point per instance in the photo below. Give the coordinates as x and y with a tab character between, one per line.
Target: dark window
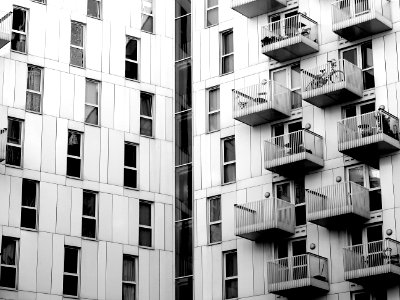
14	142
92	102
184	288
213	109
132	58
89	214
146	114
130	166
183	138
183	192
212	12
129	282
145	224
71	271
183	43
231	275
9	262
183	85
94	8
19	29
227	62
30	194
74	154
215	224
229	160
34	89
77	56
183	248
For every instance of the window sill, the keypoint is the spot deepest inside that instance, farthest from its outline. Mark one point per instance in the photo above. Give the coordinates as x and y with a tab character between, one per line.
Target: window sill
213	131
33	112
38	2
210	26
72	177
215	243
227	183
8	289
88	238
19	52
147	136
131	188
29	229
70	297
79	67
93	125
224	74
14	167
149	32
146	247
132	80
96	18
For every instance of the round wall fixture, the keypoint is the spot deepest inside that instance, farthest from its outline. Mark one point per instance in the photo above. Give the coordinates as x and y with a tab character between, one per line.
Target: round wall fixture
312	246
267	194
308	126
389	232
338	178
382	107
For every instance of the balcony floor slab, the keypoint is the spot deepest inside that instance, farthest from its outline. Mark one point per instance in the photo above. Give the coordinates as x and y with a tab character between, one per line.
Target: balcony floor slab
296	164
337	218
266	234
256	8
375	276
262	117
299	288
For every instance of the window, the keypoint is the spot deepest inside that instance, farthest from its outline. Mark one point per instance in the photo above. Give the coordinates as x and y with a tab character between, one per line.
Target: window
89	215
376	295
293	192
30	197
34	89
19	29
358	109
229	160
212	12
290	248
71	271
14	142
361	56
145	221
9	262
283	25
147	16
230	275
74	154
94	8
130	166
129	275
92	102
227	52
290	77
146	114
285	136
132	58
77	57
213	109
214	219
370	178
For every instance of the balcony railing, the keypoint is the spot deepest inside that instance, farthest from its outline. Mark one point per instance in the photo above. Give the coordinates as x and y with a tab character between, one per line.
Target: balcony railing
290	38
355	19
331	83
264	219
379	260
254	8
263	103
5	28
301	149
338	205
376	131
297	274
3	140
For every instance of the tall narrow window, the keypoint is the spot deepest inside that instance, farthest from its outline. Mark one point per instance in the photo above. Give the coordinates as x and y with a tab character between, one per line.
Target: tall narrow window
129	278
9	262
74	154
132	58
229	160
213	109
14	142
94	8
146	114
30	196
145	224
230	275
289	77
19	29
214	221
92	102
71	271
89	215
227	52
77	57
34	89
147	15
212	12
130	166
293	192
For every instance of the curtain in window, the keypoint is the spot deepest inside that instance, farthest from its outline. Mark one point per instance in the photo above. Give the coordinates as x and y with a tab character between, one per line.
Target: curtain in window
77	34
33	102
129	269
14	132
8	252
128	292
34	75
145	105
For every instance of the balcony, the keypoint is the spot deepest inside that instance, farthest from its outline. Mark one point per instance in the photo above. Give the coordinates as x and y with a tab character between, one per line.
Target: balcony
376	262
263	103
299	276
5	28
3	140
338	205
290	38
356	19
300	150
332	83
254	8
265	219
374	133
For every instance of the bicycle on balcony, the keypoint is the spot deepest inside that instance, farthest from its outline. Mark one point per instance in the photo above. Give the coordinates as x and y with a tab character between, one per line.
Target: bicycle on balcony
319	80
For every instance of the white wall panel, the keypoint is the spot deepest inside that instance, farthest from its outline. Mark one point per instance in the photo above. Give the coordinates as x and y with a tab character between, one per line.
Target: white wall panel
144	274
51	92
121	108
145	59
115	157
28	261
94	37
67	95
91	158
5	186
48	148
166	280
33	142
79	98
48	207
64	210
52	32
120	224
155	276
44	262
58	265
89	270
114	271
9	82
144	164
14	213
217	269
76	212
20	85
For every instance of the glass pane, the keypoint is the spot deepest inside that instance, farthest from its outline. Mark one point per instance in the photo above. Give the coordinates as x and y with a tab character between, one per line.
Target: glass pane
214	122
368	79
299	247
89	204
147	6
128	291
76	57
213	100
73	167
366	54
91	115
18	42
8	277
230	173
212	16
362	296
183	29
283	191
19	19
184	288
130	155
374	233
350	111
70	285
74	143
356	236
70	260
231	288
295	73
145	213
34	78
8	248
231	264
292	127
33	102
144	237
374	178
132	49
183	138
227	64
92	92
93	9
211	3
229	150
76	34
282	249
29	189
215	233
357	175
351	56
183	248
146	127
375	200
183	85
131	70
28	218
147	23
129	271
280	77
366	108
146	104
227	42
300	215
182	7
299	192
278	130
14	132
183	192
215	209
89	228
130	178
13	156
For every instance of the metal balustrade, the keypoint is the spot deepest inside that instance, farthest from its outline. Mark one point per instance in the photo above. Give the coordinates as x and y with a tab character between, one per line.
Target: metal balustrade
264	219
302	150
262	103
254	8
338	205
355	19
290	38
291	275
335	82
5	28
372	261
376	131
3	141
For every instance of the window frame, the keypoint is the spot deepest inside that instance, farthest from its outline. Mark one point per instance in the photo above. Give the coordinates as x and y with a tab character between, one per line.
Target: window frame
292	195
25	33
137	62
147	227
225	55
289	82
83	25
100	10
216	222
17	253
231	162
20	145
229	278
289	246
152	96
148	15
78	274
40	92
95	218
131	283
76	157
36	207
132	168
208	9
98	83
214	112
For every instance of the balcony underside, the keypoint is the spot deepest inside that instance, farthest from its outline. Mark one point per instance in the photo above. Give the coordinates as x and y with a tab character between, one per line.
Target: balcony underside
4	39
266	234
290	48
262	117
337	218
296	164
299	288
330	94
362	26
258	7
375	276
